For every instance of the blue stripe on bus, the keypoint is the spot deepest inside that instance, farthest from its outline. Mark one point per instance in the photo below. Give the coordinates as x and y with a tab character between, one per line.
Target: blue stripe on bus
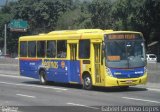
56	70
127	73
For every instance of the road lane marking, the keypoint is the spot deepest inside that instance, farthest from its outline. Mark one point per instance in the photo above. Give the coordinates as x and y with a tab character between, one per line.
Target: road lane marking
13	76
28	96
144	100
75	104
36	86
22	77
152	89
10	65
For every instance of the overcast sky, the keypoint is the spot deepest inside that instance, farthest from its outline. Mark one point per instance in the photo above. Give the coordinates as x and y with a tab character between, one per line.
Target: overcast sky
3	2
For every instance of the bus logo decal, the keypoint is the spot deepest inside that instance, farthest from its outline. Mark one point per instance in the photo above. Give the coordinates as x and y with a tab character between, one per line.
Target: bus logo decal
62	64
50	64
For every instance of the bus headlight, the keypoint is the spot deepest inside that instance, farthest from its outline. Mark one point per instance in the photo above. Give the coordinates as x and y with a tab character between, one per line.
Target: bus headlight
109	72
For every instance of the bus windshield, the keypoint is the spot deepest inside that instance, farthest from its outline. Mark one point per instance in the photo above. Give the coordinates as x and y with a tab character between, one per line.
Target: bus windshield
125	53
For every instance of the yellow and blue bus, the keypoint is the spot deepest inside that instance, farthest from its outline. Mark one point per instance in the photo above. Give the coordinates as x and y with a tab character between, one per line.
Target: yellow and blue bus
91	57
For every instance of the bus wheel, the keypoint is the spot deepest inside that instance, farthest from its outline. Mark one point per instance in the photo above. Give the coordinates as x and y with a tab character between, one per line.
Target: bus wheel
87	82
42	76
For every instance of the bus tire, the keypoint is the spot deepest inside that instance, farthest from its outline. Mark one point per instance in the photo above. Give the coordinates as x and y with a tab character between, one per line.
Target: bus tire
42	75
87	82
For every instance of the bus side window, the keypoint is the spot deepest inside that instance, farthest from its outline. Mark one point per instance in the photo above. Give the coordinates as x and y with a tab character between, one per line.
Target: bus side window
84	49
51	49
41	49
61	48
32	49
23	49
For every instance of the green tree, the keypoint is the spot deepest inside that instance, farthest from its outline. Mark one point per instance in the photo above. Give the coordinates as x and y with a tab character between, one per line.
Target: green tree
148	17
76	18
138	15
48	15
41	15
101	13
4	19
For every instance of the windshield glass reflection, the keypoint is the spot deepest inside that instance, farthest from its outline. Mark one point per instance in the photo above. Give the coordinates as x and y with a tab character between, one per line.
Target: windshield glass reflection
125	53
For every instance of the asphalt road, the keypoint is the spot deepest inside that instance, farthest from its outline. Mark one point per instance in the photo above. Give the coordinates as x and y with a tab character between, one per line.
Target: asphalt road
27	95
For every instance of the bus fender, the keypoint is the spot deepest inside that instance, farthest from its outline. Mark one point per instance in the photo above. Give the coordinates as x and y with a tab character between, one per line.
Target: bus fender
85	73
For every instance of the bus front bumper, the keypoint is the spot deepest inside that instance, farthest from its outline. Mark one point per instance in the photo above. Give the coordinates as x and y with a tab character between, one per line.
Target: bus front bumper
112	81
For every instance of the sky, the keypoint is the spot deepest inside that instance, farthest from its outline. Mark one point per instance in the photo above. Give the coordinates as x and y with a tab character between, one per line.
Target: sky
3	2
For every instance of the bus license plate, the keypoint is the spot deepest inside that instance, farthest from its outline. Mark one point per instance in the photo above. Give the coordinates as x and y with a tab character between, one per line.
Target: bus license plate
129	81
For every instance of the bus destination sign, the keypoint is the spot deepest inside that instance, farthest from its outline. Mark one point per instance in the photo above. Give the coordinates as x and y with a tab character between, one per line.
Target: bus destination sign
123	36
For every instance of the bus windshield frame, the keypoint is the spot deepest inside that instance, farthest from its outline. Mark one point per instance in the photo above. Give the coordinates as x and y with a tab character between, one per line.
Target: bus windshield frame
125	51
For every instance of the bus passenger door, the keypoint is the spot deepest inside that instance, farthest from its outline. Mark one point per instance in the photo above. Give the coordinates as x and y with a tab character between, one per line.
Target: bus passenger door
73	52
97	62
74	65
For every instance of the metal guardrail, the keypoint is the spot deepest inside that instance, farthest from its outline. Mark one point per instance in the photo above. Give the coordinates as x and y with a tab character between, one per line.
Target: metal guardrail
8	61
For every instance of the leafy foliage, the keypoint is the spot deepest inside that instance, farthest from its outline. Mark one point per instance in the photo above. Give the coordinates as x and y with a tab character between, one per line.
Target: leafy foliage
101	13
47	15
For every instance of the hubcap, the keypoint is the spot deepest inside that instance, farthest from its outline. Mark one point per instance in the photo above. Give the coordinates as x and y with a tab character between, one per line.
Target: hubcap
42	79
87	81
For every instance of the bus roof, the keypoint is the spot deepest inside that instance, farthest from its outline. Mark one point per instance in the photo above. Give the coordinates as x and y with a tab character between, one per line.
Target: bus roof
74	34
90	31
65	34
116	32
80	31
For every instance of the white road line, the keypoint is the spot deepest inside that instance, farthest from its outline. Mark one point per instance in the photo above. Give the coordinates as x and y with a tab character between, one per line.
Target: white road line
34	86
28	96
144	100
75	104
22	77
13	76
152	89
10	65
